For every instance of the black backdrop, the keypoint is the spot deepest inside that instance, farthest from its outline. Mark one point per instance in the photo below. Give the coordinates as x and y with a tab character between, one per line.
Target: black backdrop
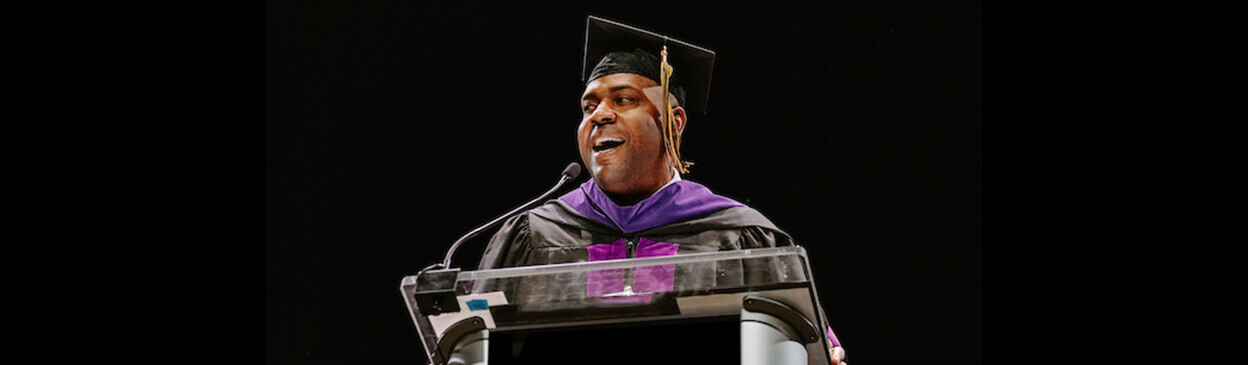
393	127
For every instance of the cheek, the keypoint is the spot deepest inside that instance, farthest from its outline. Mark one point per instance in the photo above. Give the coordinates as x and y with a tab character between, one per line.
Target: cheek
649	131
582	135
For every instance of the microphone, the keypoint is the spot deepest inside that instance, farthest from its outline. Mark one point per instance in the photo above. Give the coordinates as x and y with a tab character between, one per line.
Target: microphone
569	173
572	171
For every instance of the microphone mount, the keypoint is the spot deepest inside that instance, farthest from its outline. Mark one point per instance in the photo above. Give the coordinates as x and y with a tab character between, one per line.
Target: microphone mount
435	289
569	173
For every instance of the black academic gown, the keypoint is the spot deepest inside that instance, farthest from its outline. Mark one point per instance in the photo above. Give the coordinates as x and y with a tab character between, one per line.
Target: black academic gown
556	233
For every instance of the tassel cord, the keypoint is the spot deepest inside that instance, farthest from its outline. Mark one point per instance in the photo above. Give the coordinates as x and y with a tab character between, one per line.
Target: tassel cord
671	138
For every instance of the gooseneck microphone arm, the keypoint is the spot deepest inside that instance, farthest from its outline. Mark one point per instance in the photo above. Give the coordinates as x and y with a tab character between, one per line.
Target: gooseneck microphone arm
569	173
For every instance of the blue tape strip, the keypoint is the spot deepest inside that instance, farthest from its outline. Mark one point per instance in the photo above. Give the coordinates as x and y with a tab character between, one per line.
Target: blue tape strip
478	305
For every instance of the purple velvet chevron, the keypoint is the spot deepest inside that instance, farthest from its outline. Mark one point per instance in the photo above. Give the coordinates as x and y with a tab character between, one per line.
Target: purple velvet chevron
648	279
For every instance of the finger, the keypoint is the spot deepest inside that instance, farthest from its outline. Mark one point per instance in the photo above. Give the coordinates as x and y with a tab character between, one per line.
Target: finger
838	354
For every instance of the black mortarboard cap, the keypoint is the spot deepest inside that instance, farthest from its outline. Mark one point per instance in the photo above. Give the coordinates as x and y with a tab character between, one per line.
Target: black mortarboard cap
612	47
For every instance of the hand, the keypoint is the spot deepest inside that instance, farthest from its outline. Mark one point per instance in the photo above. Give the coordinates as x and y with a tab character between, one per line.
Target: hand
837	354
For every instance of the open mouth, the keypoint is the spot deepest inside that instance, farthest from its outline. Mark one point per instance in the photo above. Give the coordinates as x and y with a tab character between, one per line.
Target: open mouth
607	144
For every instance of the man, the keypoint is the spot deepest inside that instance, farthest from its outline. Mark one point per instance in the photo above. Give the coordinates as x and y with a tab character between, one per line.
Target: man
635	204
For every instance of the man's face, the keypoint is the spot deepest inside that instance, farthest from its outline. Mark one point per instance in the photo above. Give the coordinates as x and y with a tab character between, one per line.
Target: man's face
619	136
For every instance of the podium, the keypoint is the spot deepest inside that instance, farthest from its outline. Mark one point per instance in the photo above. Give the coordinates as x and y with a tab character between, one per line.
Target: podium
767	295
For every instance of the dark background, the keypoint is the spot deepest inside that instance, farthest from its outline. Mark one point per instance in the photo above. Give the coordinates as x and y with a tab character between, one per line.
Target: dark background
393	127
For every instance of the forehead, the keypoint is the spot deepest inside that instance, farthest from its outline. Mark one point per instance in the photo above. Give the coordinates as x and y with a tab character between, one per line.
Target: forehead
612	82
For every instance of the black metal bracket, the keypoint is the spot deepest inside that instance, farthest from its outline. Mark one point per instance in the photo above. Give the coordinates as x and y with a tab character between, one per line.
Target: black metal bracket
785	313
435	292
446	343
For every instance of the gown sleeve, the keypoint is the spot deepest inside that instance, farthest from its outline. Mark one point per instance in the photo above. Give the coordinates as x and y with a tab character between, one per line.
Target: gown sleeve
498	253
513	236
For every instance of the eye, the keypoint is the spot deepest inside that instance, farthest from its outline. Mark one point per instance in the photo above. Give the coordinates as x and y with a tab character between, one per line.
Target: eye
588	108
624	100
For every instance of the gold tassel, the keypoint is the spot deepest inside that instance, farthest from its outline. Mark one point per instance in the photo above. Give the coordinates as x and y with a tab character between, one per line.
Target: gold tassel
670	137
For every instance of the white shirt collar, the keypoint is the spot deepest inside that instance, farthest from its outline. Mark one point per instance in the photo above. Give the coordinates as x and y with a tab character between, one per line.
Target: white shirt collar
675	178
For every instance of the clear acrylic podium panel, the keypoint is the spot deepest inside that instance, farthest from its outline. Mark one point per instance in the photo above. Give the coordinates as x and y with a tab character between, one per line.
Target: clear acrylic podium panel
689	286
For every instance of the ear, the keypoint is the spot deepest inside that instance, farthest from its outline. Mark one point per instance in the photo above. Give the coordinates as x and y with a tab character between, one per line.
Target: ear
680	119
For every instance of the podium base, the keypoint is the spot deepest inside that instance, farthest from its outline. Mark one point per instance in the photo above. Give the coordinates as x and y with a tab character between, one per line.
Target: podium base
472	349
768	340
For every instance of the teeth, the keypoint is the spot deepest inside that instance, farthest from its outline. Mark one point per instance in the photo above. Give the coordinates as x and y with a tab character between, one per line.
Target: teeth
607	143
605	140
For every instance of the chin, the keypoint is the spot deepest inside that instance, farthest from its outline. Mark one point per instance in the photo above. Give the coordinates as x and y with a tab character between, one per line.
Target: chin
608	180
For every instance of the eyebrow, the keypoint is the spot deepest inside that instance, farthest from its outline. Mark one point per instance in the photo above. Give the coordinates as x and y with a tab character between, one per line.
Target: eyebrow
612	89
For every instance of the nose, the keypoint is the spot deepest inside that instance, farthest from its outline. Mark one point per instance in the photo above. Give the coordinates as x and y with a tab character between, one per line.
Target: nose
603	115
